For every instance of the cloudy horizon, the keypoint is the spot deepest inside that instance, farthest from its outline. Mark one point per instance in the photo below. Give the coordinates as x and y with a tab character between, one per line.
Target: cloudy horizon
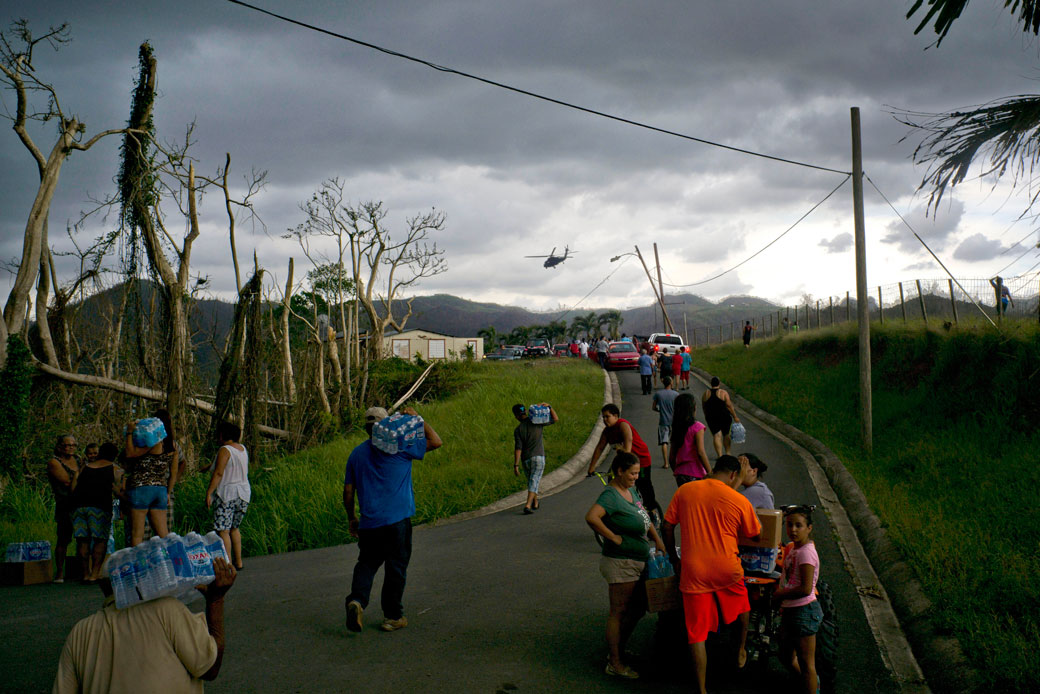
516	176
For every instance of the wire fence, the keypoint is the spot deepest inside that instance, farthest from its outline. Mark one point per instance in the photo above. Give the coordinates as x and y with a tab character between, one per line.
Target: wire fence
938	301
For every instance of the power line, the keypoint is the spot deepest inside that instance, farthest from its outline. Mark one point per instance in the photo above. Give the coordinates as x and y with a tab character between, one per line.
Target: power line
535	95
941	264
601	283
759	251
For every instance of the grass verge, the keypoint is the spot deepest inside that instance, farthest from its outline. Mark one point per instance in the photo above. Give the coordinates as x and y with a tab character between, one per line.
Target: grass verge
953	475
297	500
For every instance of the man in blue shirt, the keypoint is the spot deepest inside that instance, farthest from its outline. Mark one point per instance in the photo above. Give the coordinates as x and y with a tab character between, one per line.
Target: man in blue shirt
382	483
646	371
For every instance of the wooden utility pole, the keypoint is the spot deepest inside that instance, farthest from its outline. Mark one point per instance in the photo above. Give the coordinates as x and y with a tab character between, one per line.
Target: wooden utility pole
865	404
660	284
660	299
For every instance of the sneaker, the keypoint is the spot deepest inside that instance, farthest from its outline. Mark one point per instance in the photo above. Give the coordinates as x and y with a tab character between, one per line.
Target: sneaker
354	615
394	624
626	672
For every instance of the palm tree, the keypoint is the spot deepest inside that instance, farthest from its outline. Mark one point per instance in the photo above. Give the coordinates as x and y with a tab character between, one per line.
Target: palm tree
1007	129
519	335
585	324
491	337
613	320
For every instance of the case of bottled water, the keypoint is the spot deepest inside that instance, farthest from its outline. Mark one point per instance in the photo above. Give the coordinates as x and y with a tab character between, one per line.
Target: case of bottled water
658	565
400	433
163	566
737	432
539	414
21	552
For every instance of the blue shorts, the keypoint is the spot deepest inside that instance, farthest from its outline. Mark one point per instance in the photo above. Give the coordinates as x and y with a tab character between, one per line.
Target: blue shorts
145	498
804	620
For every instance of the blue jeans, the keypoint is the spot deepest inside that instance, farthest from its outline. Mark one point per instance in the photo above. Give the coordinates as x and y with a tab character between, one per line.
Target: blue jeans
389	546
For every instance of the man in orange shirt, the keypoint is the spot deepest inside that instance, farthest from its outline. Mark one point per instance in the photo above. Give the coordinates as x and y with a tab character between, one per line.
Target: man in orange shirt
712	514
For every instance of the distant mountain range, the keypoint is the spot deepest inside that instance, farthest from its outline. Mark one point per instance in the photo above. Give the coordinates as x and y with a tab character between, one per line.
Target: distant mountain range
456	316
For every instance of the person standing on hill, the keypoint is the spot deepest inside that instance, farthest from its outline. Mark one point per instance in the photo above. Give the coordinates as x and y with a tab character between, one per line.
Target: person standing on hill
646	371
620	434
583	348
529	450
748	329
382	483
664	405
720	415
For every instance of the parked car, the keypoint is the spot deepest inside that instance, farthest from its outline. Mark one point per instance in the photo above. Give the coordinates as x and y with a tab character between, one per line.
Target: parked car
561	350
505	353
537	347
622	355
665	342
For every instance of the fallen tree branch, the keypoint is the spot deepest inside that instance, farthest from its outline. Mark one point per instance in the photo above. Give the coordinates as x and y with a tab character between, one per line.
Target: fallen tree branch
141	392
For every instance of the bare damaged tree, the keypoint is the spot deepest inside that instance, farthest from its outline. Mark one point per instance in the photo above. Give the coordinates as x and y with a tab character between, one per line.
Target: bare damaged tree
17	73
395	264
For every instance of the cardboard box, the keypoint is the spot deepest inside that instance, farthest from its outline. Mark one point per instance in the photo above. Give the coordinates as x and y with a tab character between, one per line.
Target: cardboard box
662	594
772	524
25	573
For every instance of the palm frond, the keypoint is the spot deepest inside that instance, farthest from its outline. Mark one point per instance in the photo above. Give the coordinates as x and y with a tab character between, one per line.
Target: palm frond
1004	132
946	12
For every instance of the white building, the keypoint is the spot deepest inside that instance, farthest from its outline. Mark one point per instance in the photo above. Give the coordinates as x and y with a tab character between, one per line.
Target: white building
430	345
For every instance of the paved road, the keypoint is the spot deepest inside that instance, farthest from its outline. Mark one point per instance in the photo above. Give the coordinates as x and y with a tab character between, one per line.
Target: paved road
503	603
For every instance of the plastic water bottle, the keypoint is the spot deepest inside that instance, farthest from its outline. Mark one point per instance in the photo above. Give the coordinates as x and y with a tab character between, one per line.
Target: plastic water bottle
143	578
123	574
215	546
163	566
183	574
201	564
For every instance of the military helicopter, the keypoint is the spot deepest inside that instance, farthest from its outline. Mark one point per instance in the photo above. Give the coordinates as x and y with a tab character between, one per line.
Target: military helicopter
552	260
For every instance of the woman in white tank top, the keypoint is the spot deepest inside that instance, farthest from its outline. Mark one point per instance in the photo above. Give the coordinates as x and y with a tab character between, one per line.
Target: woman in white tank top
229	491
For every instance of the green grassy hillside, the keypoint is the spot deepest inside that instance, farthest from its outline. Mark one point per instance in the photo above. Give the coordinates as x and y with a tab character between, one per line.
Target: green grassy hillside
954	474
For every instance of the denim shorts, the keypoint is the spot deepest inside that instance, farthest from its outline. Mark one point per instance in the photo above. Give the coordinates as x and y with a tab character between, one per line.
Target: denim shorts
148	497
804	620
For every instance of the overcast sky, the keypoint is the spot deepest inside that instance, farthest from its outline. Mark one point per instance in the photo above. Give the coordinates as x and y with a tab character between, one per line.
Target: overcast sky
517	176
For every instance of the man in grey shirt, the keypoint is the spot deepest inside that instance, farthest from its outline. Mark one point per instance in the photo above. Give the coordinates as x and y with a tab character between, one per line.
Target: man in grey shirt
529	451
601	352
664	405
755	490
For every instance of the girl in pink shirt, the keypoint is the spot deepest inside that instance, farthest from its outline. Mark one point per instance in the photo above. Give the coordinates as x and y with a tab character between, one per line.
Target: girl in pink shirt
801	614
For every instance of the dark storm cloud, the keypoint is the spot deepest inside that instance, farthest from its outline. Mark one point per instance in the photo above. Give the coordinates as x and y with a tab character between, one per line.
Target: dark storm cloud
978	248
515	175
838	244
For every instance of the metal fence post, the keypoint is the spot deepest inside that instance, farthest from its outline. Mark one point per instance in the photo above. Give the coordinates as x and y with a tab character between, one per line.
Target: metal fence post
880	305
953	301
902	301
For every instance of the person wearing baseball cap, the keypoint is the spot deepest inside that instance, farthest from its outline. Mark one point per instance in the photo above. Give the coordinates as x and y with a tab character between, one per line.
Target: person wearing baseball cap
382	483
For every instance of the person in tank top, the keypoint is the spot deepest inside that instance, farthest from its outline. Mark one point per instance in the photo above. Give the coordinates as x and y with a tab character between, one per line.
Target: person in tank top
229	492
